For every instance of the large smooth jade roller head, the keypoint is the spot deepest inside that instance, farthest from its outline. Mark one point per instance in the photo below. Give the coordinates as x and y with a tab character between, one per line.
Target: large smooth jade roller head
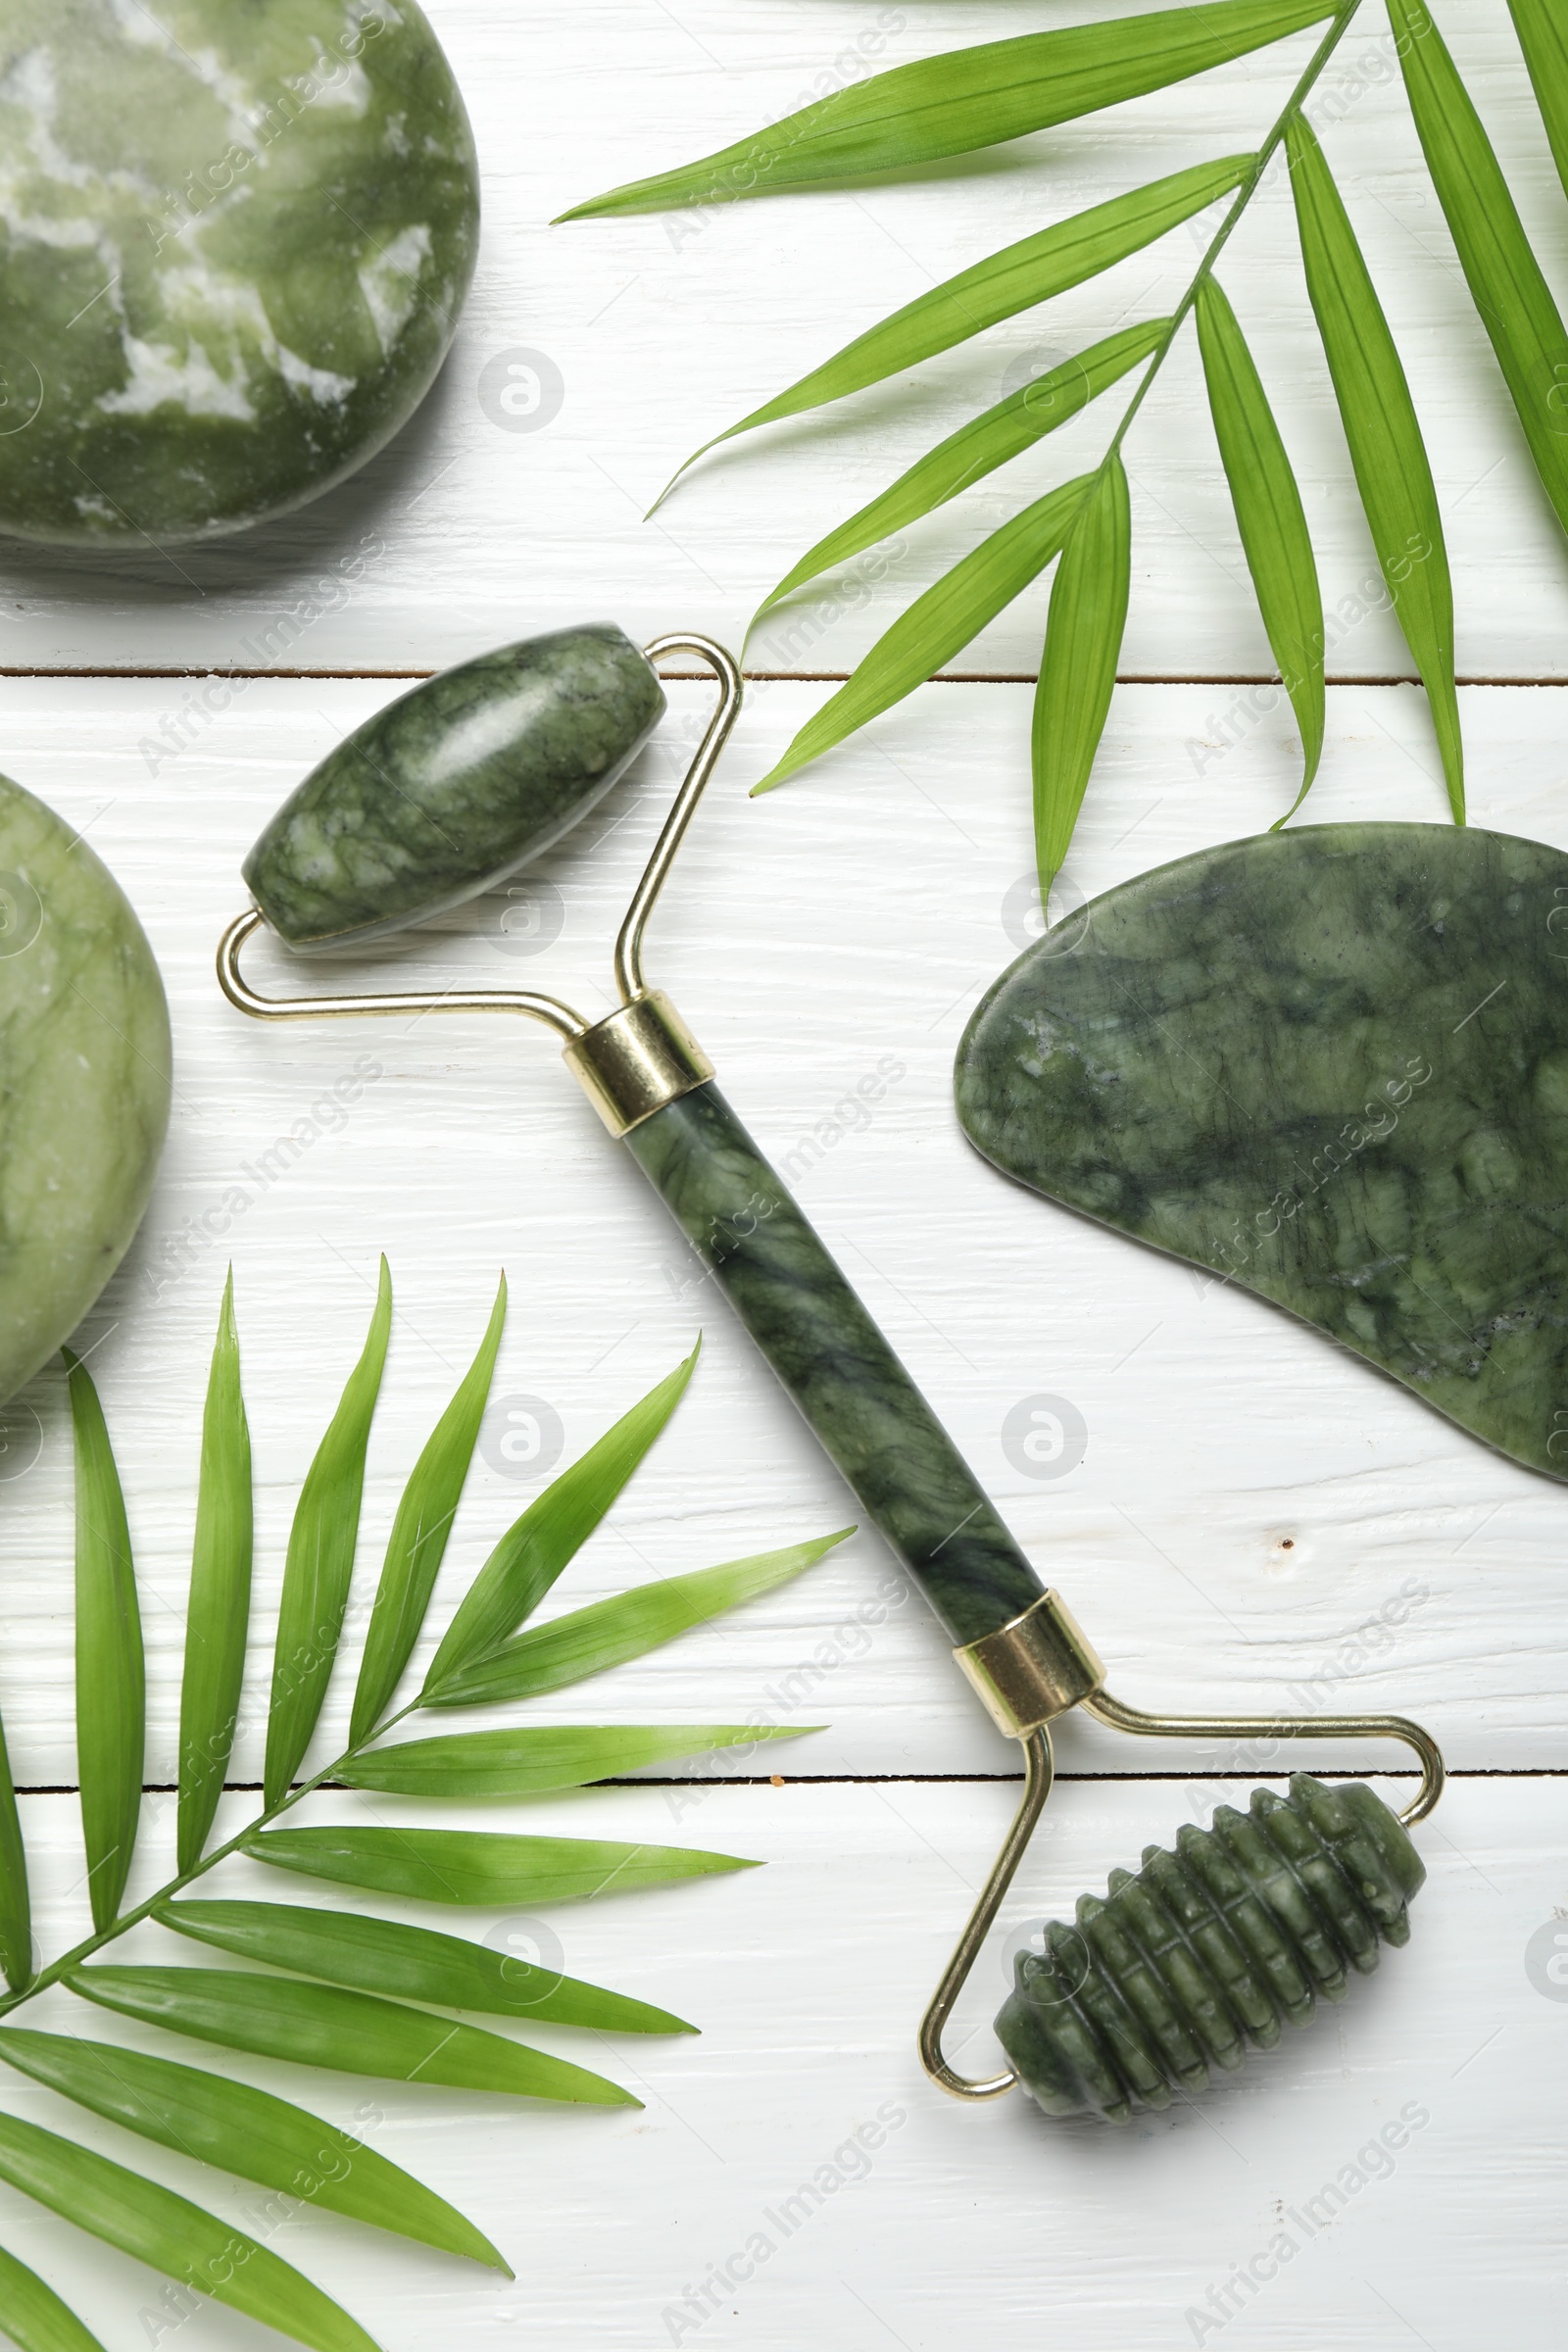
1200	1954
452	787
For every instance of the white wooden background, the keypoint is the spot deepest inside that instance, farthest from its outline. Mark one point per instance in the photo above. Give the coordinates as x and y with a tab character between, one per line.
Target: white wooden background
1247	1505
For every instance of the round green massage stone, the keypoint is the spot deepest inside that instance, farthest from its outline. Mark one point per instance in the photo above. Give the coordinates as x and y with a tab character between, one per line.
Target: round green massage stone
85	1079
235	238
454	786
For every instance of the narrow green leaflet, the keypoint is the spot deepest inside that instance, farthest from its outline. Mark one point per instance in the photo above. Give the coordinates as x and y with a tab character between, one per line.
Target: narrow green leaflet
34	2316
1505	277
1270	517
938	624
627	1626
173	2236
413	1963
1386	450
518	1762
1078	668
219	1595
1543	38
321	1562
111	1677
977	449
419	1535
16	1910
999	288
969	98
355	2033
244	2130
535	1548
481	1866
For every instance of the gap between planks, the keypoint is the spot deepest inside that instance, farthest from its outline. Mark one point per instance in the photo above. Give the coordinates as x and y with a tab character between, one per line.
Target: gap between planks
804	677
868	1780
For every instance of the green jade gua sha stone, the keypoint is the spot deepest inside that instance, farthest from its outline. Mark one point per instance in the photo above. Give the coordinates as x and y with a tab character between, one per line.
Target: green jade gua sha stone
1330	1065
85	1079
234	240
1231	1938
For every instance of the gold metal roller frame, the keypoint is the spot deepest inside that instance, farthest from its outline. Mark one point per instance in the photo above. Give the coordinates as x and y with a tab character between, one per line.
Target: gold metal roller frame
1040	1667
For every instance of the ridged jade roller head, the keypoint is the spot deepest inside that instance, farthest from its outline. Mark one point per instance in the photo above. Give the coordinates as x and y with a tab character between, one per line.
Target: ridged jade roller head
1206	1952
454	786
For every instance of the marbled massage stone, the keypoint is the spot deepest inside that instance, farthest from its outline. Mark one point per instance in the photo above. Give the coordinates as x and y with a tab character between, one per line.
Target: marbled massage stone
1330	1065
453	786
235	238
85	1079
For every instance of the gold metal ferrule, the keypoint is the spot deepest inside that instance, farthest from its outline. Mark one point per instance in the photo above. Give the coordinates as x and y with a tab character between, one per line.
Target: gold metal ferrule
1033	1669
637	1059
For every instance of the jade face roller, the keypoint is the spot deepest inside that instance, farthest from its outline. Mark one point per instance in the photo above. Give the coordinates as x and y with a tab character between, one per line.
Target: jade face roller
1201	1953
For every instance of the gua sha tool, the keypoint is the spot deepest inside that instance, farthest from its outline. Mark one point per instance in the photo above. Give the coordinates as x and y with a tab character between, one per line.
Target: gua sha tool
1330	1065
1198	1955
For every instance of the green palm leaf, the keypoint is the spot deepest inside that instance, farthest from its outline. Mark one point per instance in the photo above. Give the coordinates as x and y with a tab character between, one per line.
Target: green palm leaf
34	2316
1078	668
521	1762
978	95
16	1910
419	1535
1270	517
322	2025
245	2130
321	1560
356	1994
111	1676
969	98
626	1626
1014	279
1543	38
1505	277
480	1866
977	449
1386	450
414	1964
535	1548
173	2236
219	1595
938	624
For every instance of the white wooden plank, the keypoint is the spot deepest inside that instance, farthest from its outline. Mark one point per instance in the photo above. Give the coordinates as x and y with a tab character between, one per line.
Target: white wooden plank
1250	1503
807	1978
661	330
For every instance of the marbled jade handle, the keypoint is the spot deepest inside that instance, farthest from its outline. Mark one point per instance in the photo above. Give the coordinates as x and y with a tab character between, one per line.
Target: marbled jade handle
834	1361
